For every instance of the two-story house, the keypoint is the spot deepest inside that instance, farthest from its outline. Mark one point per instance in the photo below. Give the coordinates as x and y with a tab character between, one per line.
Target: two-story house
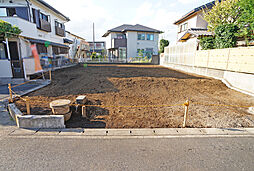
41	24
129	41
192	25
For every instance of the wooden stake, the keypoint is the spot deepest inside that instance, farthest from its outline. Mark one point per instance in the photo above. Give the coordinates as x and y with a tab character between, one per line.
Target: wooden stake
28	111
186	106
84	112
10	92
50	76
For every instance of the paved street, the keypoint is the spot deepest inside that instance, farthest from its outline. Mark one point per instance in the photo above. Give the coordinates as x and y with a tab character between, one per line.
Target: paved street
52	153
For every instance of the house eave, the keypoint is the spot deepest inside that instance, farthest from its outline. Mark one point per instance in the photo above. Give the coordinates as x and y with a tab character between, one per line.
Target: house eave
53	9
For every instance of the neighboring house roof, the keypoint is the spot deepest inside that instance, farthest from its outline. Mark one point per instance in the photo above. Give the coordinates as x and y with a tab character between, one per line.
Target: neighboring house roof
196	32
53	9
195	11
127	27
75	35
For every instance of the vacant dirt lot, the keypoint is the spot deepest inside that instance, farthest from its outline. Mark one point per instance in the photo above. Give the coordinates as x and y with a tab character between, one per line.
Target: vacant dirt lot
139	85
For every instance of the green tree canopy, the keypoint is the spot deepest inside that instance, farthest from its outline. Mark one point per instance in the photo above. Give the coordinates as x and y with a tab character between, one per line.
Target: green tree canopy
246	19
224	12
163	44
8	30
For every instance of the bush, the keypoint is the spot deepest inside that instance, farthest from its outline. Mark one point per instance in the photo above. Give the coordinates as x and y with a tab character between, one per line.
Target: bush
207	43
163	44
94	55
6	28
225	36
246	20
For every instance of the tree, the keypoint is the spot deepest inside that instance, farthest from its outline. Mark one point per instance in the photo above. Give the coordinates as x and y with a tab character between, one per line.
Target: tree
225	36
223	12
163	44
8	30
246	19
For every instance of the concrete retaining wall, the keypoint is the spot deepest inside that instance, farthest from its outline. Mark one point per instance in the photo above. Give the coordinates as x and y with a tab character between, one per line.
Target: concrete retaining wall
43	121
239	81
35	121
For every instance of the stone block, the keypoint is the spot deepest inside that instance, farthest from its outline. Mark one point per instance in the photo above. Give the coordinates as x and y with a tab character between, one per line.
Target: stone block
43	121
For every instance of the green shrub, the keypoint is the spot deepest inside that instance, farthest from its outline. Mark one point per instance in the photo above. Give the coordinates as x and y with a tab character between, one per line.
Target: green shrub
94	55
163	44
246	20
225	36
9	30
207	43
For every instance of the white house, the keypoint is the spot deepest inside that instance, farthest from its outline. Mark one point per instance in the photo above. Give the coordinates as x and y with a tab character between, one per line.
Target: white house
129	41
41	24
192	25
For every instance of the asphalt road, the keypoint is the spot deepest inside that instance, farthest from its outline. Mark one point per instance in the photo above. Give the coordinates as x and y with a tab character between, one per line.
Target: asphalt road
126	154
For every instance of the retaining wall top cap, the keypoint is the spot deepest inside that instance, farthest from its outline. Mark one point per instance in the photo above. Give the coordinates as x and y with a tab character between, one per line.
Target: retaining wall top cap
60	102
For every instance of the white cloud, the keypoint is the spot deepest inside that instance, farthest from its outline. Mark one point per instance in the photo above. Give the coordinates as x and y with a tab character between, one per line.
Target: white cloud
82	15
157	17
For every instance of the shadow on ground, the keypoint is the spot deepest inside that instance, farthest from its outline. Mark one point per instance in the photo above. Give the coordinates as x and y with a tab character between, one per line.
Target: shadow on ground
95	78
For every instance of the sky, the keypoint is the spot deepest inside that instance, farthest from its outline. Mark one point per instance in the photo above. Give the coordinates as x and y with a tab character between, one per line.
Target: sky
107	14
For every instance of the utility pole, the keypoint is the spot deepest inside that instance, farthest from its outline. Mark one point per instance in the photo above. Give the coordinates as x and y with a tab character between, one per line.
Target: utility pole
93	39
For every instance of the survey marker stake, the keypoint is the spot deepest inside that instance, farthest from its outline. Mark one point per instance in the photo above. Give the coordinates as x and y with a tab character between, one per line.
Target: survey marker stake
186	107
10	92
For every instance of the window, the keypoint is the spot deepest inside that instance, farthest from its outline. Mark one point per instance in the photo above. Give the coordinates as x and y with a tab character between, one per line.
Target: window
183	27
121	36
11	11
44	17
149	37
3	54
141	36
60	25
149	52
41	48
3	12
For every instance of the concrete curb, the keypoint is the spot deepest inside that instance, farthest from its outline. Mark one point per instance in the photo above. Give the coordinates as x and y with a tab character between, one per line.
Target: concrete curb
136	133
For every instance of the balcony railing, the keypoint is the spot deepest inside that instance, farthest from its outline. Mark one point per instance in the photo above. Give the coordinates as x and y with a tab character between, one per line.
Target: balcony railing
119	43
45	26
60	31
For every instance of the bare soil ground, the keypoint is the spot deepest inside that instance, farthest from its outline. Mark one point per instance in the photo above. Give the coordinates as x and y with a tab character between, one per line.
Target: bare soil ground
139	85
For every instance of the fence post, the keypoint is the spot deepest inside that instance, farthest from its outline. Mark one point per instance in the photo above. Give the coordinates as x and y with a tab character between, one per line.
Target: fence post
186	107
10	92
84	112
28	111
50	75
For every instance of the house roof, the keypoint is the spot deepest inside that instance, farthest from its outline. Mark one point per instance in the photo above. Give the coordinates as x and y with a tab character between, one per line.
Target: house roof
196	32
195	11
128	27
53	9
75	35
